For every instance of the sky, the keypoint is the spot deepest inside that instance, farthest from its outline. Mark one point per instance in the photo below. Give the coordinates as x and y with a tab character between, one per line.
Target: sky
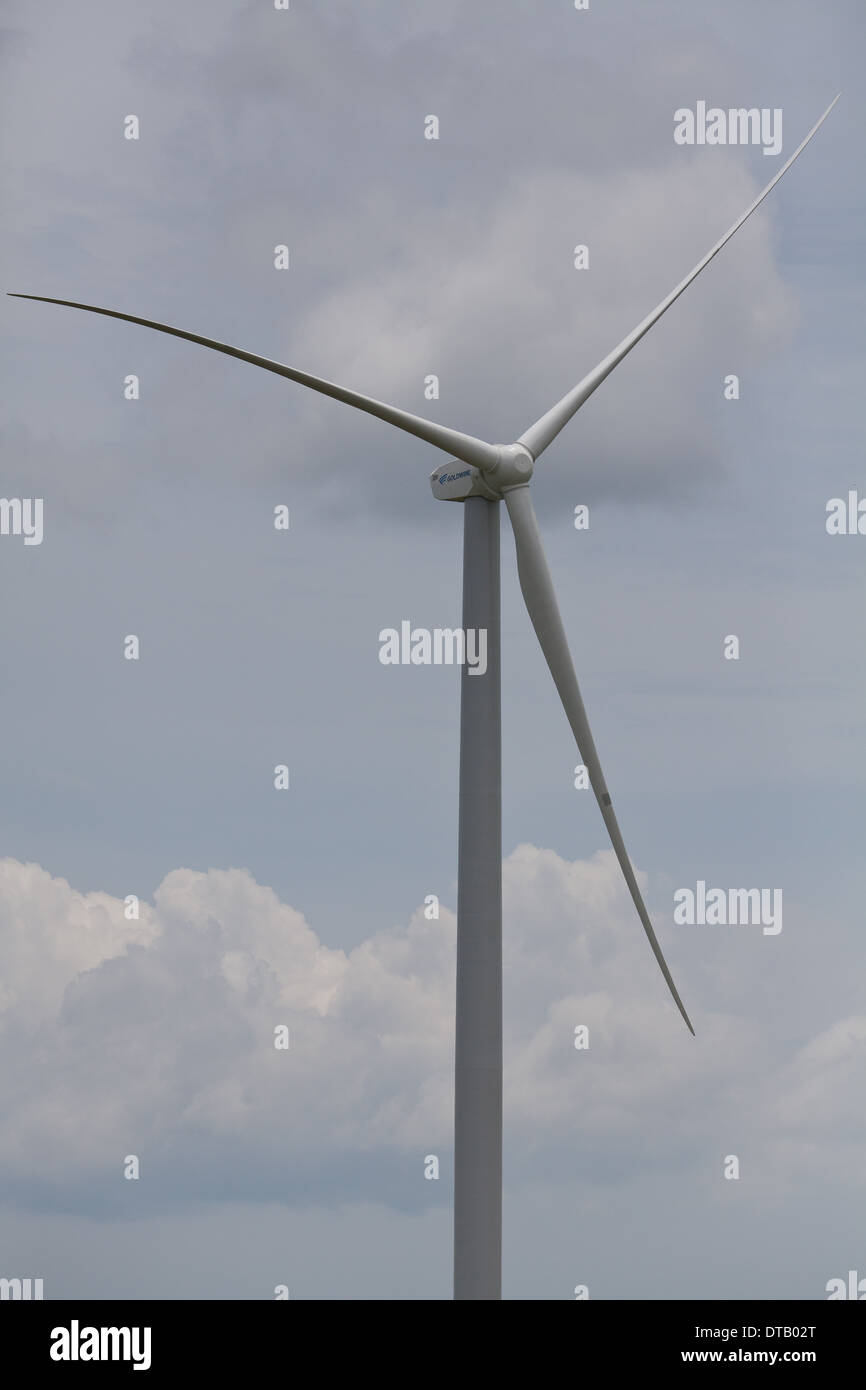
305	908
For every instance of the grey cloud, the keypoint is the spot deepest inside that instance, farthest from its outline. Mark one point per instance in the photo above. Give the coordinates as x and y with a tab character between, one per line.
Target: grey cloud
156	1038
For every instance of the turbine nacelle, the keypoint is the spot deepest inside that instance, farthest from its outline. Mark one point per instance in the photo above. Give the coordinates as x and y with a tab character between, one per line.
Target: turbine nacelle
455	481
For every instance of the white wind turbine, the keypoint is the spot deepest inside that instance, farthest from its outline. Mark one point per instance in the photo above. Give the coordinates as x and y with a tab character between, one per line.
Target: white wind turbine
492	473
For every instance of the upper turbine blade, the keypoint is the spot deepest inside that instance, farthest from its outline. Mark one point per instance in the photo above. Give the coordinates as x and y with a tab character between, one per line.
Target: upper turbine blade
463	446
538	592
545	430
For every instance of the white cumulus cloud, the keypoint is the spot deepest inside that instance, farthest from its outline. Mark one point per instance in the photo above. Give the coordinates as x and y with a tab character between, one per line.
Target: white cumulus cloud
156	1037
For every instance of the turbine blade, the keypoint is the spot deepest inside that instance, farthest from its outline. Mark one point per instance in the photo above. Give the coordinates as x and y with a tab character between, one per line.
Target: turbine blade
538	592
463	446
545	430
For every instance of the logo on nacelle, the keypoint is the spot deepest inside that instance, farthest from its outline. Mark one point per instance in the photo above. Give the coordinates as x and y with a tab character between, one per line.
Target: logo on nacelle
458	481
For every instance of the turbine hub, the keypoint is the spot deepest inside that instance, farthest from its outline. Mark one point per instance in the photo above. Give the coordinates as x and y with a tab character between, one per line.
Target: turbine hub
514	468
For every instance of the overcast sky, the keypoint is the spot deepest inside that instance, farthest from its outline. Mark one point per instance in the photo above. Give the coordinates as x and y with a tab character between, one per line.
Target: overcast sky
411	257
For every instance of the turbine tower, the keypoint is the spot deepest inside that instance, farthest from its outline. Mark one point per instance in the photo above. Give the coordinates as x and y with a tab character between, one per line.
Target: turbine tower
481	475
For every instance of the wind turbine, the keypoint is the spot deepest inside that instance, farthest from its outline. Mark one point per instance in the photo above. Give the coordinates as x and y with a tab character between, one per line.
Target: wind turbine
492	473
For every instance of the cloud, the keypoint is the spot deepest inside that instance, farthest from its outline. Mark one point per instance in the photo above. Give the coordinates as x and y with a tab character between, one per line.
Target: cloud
156	1037
497	311
409	257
